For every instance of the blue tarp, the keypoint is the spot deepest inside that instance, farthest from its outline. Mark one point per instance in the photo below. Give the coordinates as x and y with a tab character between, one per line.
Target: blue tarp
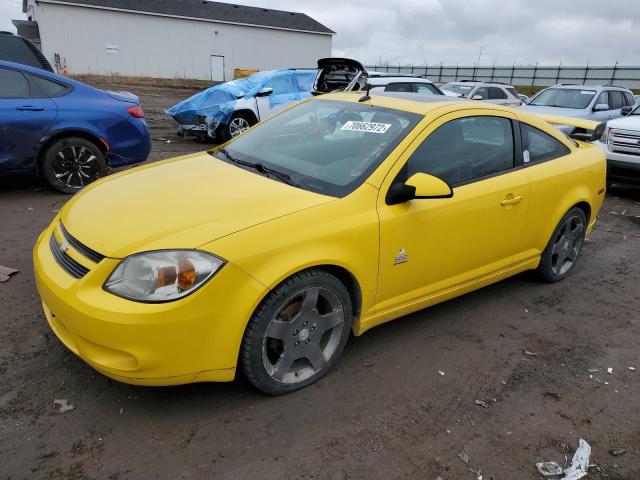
219	101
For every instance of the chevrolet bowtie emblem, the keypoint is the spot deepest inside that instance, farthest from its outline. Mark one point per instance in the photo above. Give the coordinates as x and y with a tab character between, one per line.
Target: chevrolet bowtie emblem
64	246
401	257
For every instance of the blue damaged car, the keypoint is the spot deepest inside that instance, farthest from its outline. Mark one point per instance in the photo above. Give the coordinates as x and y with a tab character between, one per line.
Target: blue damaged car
226	110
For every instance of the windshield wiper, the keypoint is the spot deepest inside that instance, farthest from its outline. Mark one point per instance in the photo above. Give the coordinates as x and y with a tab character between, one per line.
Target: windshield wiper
260	168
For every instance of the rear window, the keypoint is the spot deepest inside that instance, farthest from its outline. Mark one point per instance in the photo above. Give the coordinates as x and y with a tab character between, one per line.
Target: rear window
16	49
49	87
512	91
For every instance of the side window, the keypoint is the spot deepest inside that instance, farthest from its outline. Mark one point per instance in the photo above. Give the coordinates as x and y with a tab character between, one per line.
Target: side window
629	100
482	91
496	93
603	98
540	145
465	149
280	85
512	91
617	102
426	89
41	87
13	84
399	87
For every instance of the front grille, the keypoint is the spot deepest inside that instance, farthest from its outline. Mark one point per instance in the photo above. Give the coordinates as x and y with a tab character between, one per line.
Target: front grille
69	265
627	141
81	248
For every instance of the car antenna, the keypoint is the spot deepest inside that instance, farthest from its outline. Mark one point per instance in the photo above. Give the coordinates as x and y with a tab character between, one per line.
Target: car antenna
366	96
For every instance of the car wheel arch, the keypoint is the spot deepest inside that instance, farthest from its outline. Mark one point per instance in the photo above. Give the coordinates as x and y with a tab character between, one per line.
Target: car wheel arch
91	137
246	112
563	207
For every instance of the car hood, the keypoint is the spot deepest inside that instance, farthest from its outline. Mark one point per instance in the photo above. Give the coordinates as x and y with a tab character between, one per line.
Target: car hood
631	122
562	112
180	203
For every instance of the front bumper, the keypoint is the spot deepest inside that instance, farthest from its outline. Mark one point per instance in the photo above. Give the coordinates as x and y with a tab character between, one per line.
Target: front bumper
193	339
621	167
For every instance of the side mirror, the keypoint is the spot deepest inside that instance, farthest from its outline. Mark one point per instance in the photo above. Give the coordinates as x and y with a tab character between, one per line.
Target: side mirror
477	97
265	92
626	111
601	107
419	186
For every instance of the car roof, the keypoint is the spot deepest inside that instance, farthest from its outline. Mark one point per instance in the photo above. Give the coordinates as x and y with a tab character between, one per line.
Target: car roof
42	73
399	79
571	86
474	83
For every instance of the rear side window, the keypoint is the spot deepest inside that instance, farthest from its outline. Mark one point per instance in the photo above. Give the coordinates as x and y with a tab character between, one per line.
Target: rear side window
426	89
13	84
496	93
512	91
615	97
540	145
465	149
398	87
629	100
50	88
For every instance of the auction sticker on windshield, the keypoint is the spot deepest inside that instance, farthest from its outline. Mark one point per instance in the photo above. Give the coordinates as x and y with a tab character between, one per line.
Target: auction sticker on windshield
368	127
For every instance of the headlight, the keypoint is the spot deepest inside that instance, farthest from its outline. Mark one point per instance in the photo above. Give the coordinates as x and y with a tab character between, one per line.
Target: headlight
162	276
605	136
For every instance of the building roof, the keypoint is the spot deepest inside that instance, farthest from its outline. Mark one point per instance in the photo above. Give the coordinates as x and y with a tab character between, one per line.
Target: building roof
209	11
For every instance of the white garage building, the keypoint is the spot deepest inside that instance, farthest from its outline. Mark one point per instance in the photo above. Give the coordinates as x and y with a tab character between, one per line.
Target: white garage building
192	39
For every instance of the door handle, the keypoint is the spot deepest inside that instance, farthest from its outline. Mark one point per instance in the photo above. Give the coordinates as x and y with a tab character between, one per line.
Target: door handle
511	200
30	108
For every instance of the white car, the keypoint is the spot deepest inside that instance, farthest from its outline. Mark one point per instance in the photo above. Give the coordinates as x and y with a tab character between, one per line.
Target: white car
498	93
621	144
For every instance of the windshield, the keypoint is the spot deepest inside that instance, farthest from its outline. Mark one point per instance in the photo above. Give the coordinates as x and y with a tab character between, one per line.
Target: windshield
325	146
564	98
635	111
460	89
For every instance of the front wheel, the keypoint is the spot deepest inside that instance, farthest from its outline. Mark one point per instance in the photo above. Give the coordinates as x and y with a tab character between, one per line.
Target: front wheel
297	333
237	124
564	247
71	163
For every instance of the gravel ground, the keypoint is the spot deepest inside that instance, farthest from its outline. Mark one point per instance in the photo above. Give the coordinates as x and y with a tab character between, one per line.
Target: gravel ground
384	412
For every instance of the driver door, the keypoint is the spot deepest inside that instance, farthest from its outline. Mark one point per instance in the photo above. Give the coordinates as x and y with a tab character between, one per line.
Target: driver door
282	94
430	246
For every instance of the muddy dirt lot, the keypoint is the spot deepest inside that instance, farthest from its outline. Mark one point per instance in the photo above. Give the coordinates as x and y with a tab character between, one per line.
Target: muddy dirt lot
385	411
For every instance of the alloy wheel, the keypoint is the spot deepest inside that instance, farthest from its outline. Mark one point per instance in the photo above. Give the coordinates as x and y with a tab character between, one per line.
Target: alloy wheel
303	336
237	126
567	245
75	166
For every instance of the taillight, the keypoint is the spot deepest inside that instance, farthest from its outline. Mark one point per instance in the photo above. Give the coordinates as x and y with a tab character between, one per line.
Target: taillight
136	111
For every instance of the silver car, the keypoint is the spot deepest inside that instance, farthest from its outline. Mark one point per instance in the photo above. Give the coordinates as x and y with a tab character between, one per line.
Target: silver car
591	102
498	93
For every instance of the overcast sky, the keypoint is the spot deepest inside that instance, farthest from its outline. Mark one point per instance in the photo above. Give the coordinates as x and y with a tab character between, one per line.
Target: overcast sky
452	31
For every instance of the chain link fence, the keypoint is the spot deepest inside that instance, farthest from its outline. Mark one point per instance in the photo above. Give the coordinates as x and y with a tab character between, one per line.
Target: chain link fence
622	76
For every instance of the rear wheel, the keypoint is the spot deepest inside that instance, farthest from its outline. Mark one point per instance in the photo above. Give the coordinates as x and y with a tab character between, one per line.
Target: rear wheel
564	247
297	333
238	123
71	163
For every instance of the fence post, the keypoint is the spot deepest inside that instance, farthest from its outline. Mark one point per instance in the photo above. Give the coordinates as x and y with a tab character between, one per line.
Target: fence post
493	71
457	66
533	77
586	74
558	72
613	75
440	73
412	68
513	67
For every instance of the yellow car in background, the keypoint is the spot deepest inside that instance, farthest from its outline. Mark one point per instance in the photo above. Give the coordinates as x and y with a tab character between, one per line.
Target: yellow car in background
336	215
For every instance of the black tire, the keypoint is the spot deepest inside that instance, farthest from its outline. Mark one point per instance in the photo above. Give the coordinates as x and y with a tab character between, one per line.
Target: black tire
279	347
237	124
564	247
71	163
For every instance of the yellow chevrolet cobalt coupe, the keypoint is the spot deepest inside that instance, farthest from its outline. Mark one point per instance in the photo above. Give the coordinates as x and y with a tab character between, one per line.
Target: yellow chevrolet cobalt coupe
334	216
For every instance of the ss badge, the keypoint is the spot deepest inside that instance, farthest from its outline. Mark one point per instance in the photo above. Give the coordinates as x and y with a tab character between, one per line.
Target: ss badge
401	257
